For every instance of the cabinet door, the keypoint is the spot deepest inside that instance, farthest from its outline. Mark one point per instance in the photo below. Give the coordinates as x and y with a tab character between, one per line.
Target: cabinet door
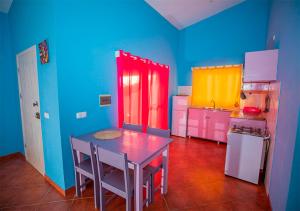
203	119
261	65
218	125
197	123
193	119
179	119
193	131
181	102
197	118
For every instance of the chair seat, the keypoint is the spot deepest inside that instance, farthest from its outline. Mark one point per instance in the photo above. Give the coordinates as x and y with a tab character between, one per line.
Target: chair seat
154	166
85	167
115	178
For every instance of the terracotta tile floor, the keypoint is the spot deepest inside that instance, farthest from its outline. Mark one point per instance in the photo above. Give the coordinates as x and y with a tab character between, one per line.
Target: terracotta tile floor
196	182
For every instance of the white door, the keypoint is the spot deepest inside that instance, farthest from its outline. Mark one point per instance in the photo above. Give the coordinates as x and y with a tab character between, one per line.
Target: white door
30	108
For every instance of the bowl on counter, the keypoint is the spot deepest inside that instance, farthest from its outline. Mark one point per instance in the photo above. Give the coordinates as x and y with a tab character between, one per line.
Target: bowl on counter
251	110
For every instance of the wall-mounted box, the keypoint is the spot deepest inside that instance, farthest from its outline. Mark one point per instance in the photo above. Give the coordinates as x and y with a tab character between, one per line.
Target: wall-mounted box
261	66
104	100
81	115
184	90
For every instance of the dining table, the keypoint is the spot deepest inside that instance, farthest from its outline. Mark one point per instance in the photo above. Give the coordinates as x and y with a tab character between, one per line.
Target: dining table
141	149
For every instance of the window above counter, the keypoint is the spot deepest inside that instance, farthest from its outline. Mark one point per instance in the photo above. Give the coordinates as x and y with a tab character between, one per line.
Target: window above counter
217	87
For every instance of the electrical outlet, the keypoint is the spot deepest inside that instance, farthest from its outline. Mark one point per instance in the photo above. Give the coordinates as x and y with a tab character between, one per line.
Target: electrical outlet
81	115
46	115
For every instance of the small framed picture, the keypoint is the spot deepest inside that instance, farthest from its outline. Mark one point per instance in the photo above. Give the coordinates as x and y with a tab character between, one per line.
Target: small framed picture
44	54
104	100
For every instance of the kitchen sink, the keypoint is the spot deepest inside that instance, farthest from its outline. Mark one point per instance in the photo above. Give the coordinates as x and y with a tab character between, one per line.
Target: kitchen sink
217	109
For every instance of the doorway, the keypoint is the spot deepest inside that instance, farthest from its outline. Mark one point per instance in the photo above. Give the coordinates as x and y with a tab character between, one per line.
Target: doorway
30	108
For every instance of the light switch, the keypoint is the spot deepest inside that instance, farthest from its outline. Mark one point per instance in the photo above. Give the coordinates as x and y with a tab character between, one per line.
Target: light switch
81	115
46	115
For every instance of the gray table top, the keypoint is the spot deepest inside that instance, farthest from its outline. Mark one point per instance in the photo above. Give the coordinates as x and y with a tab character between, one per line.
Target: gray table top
138	146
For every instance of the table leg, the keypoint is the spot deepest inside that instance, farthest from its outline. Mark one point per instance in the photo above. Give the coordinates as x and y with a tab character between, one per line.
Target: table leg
138	178
164	175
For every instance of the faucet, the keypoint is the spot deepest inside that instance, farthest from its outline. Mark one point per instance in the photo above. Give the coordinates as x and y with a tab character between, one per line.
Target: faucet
212	101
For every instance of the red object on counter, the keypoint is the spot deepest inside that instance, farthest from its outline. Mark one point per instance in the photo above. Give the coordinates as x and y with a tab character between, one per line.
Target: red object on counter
251	110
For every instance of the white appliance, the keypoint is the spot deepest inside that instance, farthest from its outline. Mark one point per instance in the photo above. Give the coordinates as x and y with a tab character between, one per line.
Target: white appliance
245	155
179	115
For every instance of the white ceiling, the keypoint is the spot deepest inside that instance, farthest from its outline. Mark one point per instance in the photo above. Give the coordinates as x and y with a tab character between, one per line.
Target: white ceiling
183	13
5	5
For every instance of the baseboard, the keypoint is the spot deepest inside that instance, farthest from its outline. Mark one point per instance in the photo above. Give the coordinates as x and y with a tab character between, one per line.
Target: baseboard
268	196
18	155
57	188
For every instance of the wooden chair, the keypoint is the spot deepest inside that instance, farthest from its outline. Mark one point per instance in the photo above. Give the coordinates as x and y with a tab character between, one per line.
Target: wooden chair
137	128
156	165
120	181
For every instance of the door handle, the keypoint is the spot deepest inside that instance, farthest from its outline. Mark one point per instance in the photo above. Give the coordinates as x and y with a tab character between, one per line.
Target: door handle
37	115
35	104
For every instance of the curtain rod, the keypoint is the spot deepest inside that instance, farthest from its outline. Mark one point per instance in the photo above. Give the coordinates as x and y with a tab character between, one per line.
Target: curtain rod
218	66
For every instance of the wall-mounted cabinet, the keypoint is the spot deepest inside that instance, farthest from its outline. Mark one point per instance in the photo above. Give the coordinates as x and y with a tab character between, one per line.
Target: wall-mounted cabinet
261	66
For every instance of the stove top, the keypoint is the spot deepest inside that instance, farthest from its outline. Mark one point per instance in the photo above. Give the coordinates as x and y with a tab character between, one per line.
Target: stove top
248	131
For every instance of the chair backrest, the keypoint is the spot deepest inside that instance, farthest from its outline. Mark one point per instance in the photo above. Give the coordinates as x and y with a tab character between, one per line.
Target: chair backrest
133	127
158	132
117	160
81	148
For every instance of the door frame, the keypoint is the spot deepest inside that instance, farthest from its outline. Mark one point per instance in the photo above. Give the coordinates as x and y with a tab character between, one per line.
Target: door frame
33	49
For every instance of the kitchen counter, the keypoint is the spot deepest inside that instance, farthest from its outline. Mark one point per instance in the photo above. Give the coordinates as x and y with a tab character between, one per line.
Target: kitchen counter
234	113
211	108
241	115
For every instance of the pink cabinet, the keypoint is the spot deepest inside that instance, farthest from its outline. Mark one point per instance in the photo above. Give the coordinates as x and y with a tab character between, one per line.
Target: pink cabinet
197	122
197	118
261	66
179	115
208	124
218	125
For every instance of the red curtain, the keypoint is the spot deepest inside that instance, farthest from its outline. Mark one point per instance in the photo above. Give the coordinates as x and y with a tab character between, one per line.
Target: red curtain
158	84
142	91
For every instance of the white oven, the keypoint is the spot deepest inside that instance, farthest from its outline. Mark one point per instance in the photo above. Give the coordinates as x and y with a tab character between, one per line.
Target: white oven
245	154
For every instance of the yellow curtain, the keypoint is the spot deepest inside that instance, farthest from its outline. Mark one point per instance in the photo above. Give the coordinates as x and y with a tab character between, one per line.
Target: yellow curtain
219	85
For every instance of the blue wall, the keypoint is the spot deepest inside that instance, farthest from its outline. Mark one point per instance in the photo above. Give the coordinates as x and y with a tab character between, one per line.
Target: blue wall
223	38
83	37
88	34
11	140
285	25
32	21
294	190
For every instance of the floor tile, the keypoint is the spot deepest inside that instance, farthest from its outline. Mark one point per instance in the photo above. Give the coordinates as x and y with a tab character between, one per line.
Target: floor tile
196	182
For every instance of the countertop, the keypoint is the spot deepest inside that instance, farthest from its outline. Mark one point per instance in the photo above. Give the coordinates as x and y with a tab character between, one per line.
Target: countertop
211	108
240	115
234	113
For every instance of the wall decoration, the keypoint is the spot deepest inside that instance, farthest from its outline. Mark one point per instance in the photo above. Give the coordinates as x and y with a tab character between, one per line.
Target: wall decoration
44	54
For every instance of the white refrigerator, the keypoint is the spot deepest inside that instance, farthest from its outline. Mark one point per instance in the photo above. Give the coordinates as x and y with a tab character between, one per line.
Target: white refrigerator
179	115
